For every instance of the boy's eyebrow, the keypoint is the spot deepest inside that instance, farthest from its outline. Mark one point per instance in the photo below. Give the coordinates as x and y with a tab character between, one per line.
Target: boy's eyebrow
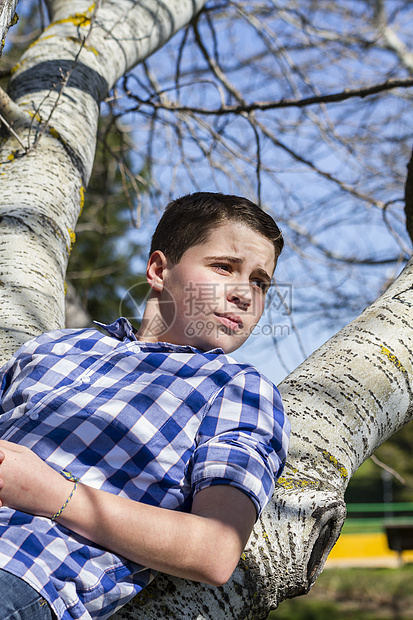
231	259
264	274
238	260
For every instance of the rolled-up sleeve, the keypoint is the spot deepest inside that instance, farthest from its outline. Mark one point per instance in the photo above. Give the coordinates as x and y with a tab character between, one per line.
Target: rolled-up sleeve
243	439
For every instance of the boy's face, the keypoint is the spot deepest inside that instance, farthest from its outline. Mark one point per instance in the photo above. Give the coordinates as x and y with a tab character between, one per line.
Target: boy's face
215	295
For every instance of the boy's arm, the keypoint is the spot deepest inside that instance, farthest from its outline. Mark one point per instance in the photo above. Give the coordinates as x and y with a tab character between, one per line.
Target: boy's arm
203	546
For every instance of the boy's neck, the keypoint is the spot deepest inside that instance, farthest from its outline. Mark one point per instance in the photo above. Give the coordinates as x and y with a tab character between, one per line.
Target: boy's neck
151	320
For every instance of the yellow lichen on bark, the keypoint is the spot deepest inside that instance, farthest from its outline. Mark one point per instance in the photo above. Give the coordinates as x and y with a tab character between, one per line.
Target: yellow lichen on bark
72	237
82	198
80	20
385	351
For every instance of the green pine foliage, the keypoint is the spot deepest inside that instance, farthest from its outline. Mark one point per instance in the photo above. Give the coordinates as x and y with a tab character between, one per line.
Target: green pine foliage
371	484
102	265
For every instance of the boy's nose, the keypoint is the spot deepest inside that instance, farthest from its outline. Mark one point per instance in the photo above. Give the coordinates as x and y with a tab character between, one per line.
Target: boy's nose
240	296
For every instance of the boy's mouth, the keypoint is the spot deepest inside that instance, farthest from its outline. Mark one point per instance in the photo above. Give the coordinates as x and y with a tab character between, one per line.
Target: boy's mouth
232	321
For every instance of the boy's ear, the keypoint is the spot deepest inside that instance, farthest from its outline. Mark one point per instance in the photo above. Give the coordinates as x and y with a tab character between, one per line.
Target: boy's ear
155	270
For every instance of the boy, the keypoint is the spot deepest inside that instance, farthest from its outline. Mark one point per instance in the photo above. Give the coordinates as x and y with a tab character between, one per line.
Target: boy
149	450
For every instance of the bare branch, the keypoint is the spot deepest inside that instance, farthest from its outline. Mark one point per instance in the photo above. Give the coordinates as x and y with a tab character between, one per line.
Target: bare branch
392	41
362	92
390	470
409	199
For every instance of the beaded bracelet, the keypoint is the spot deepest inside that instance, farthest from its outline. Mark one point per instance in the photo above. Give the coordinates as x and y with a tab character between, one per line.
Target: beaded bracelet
72	478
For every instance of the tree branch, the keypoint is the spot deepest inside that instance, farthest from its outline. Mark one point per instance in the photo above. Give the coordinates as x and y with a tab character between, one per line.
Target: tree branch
408	199
8	17
390	470
363	92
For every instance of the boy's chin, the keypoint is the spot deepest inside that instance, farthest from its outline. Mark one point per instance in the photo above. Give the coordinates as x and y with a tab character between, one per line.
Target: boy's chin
226	343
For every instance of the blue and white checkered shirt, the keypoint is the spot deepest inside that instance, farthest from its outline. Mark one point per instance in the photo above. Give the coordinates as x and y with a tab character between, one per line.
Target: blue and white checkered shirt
150	421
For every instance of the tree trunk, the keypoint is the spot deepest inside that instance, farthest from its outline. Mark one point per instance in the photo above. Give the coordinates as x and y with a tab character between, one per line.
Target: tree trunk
55	92
343	402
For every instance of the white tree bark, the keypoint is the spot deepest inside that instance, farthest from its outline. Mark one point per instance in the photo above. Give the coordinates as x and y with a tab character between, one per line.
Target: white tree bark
343	401
53	108
7	13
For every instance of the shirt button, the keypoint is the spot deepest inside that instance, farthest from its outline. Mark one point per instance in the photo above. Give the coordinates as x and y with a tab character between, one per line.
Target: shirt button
33	415
85	379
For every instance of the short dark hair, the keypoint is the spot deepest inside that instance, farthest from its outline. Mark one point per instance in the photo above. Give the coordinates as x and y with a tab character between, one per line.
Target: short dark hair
189	220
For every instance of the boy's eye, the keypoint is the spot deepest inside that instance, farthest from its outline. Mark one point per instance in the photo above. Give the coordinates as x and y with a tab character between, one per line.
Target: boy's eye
223	267
261	284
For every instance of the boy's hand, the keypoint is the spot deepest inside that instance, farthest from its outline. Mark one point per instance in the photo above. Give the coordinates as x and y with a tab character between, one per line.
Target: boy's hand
28	484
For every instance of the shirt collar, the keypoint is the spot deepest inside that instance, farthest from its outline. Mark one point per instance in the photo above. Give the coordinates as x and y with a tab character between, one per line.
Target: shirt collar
122	329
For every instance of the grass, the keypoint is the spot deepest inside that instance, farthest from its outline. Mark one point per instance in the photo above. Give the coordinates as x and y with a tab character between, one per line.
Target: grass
354	594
